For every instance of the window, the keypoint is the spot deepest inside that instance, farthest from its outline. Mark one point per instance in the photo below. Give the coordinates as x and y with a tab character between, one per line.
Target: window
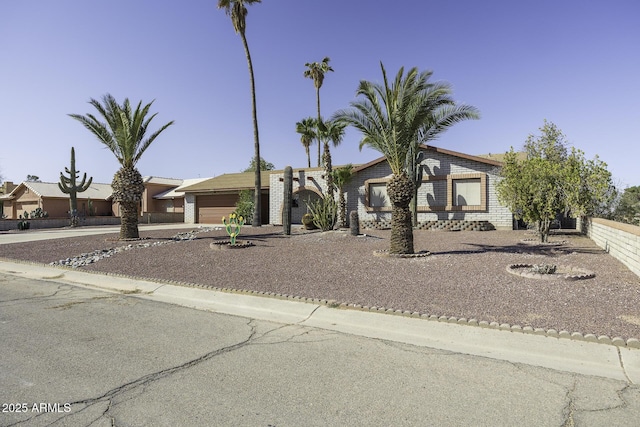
466	192
378	197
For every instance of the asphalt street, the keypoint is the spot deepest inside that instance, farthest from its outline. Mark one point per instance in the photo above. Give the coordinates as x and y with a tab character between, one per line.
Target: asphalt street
89	350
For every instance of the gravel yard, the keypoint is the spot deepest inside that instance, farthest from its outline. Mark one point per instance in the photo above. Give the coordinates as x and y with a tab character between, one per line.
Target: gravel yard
465	276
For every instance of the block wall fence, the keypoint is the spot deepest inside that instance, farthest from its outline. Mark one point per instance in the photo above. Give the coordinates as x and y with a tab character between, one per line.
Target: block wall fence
621	241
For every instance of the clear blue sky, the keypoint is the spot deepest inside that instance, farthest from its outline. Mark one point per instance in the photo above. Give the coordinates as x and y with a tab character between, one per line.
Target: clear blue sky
573	62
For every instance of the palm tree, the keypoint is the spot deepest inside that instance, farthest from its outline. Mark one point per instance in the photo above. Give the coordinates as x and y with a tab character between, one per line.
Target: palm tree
341	177
390	118
316	71
444	114
307	129
123	131
238	12
330	131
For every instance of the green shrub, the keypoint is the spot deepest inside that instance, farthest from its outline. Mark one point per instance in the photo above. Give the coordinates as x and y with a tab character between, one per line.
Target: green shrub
245	205
325	212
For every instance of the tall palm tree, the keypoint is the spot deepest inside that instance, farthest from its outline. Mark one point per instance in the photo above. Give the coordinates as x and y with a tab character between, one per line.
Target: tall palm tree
238	12
390	118
307	129
124	132
316	72
330	131
341	177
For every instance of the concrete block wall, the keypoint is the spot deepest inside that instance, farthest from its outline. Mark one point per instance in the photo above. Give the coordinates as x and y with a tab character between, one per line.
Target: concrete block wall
621	241
436	164
189	209
310	179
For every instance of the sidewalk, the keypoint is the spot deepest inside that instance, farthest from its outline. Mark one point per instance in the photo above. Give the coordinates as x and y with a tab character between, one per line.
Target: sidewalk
62	233
563	354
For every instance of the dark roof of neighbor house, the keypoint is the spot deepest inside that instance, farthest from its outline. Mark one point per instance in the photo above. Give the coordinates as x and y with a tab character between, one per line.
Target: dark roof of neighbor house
437	150
230	182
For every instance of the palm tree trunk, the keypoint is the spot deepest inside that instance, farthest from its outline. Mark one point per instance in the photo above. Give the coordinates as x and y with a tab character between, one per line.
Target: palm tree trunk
400	192
308	157
319	118
328	169
343	209
257	211
129	220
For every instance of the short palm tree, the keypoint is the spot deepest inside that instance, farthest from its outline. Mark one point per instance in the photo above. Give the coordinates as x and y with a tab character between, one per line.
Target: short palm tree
330	131
341	177
124	132
237	10
390	118
307	129
445	112
316	72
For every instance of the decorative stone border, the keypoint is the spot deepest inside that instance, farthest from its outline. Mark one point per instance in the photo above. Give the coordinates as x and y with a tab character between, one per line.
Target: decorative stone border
563	272
551	333
226	244
385	253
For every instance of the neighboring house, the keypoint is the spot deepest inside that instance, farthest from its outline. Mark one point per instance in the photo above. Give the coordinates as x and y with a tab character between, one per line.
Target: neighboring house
160	196
6	188
207	201
457	192
28	196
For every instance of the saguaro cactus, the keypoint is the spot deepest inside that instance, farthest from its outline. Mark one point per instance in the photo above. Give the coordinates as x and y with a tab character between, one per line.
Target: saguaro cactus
288	196
72	188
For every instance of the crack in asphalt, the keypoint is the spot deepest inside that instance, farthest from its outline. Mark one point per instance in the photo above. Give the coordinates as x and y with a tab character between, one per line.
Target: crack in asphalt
59	289
143	381
570	408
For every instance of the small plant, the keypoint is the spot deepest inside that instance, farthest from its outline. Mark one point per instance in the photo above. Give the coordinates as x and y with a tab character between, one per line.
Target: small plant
23	224
325	212
307	221
233	226
543	268
39	213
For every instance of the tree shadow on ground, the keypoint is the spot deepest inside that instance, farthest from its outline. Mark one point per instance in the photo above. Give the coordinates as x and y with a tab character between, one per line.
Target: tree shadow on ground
522	248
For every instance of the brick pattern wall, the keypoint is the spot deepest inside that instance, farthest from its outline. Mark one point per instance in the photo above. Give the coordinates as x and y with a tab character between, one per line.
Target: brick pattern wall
189	209
309	179
621	241
436	164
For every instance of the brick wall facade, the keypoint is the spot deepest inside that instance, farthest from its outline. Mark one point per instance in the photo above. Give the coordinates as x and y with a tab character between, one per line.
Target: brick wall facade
621	241
439	171
189	208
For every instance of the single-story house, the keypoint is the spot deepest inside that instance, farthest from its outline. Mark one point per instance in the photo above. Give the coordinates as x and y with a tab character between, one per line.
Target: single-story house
457	192
28	196
207	201
160	196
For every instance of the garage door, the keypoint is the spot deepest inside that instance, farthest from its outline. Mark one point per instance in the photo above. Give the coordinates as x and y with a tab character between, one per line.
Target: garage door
211	209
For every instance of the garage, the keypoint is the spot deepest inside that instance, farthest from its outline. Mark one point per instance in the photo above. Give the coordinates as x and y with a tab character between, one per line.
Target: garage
212	207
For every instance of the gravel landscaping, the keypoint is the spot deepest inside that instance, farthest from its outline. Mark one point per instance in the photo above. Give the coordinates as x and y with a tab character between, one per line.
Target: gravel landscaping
465	275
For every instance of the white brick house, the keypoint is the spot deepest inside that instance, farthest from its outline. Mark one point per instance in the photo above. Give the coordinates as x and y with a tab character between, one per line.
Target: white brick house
457	192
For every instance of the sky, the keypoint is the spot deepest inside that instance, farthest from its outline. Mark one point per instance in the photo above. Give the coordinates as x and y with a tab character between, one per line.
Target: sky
575	63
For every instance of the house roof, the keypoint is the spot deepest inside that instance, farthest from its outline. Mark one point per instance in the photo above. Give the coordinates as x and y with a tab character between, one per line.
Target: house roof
178	191
50	190
520	155
230	182
162	181
437	150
